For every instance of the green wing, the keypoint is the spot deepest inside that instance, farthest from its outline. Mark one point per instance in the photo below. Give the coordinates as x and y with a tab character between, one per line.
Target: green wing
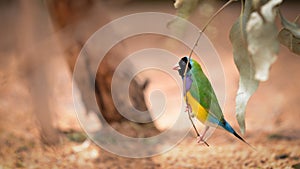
203	92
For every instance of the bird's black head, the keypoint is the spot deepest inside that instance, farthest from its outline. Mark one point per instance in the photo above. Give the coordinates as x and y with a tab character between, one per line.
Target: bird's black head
181	66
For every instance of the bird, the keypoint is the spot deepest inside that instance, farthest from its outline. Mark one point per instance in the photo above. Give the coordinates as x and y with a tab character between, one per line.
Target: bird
201	98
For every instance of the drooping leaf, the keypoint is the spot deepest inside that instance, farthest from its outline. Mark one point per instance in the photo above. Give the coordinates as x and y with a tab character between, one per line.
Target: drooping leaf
244	63
262	40
289	36
255	45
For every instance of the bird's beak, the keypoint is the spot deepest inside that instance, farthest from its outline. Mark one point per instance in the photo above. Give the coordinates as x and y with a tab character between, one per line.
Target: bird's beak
176	67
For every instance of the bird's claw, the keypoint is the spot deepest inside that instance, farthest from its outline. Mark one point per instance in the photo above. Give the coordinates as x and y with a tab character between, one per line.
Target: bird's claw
200	139
189	110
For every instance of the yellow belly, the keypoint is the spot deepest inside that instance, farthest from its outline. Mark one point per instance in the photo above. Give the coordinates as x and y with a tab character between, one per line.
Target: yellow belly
197	109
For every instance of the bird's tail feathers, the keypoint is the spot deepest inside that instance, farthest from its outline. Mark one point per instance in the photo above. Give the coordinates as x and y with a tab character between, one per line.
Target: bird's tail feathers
227	127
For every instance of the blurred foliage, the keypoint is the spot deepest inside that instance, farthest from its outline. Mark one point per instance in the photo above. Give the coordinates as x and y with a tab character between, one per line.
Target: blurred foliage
289	35
76	136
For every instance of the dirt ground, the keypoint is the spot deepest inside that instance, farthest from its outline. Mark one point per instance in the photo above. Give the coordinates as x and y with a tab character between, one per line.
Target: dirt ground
272	114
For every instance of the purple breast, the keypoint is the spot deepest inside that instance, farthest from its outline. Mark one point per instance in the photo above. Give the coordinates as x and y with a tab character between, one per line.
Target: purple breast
188	83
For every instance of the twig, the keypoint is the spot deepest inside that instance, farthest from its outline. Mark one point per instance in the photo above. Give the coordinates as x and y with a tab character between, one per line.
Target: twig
297	18
190	55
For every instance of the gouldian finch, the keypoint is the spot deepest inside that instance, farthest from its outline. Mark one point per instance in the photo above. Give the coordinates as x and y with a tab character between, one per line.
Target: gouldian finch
201	98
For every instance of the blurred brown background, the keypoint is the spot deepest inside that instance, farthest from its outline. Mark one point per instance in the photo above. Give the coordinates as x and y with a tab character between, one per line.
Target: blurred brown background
38	46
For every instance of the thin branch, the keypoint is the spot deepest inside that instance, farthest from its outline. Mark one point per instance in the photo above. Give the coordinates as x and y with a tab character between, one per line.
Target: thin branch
297	18
190	55
200	34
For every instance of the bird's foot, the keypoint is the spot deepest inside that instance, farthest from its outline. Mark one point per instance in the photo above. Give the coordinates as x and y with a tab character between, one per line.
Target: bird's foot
189	110
200	139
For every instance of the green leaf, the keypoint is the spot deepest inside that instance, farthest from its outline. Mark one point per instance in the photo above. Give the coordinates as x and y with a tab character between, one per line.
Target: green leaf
76	136
244	63
262	40
289	36
255	45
